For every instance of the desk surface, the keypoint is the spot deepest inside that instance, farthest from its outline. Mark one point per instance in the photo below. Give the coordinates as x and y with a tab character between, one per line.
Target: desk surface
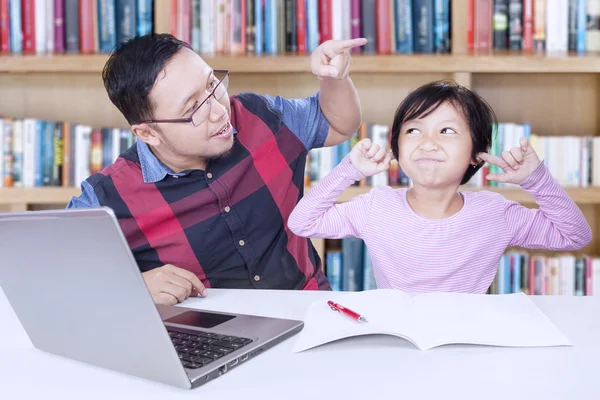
378	366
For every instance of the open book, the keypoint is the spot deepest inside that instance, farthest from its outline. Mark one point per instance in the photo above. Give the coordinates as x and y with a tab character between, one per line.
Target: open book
432	319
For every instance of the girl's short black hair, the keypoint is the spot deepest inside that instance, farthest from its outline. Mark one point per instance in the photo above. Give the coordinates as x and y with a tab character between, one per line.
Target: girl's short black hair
475	110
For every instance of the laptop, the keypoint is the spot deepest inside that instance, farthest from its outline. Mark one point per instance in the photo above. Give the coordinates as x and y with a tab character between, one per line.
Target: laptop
76	288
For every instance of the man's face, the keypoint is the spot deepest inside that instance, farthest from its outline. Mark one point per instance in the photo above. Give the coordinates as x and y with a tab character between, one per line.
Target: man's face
184	83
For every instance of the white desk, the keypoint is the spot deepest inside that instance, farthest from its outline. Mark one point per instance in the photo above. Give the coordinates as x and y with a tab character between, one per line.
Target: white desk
367	368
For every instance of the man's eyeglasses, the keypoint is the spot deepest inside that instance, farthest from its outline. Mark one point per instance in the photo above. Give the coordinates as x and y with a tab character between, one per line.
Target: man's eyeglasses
199	114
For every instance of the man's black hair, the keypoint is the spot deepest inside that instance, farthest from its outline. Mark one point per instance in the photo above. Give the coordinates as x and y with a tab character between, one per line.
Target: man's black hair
478	114
131	70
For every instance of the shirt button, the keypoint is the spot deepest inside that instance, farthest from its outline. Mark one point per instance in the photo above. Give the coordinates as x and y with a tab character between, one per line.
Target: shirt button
209	175
227	209
241	242
256	278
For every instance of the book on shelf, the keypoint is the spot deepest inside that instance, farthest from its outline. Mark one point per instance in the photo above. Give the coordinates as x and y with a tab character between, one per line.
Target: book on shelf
573	161
540	26
348	267
299	26
71	26
37	153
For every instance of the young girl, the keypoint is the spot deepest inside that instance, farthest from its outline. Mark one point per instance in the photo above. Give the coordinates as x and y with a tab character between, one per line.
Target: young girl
432	237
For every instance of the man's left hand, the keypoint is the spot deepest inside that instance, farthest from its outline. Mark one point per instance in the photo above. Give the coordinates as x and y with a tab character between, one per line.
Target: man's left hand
332	58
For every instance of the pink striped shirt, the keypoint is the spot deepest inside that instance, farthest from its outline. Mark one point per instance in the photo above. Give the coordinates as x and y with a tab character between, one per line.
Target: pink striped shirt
460	253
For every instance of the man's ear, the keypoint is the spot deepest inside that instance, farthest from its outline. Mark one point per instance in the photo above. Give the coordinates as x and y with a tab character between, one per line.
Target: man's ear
146	134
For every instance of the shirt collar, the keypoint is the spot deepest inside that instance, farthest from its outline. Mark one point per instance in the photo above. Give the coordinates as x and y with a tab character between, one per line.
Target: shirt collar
154	170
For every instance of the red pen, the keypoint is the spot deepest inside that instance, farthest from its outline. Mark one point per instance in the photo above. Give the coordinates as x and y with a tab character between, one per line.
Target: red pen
346	311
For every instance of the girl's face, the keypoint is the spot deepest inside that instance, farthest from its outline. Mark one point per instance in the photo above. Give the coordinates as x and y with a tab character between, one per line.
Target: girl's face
435	151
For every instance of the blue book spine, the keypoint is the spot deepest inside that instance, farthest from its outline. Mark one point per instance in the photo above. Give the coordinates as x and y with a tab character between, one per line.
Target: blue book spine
107	31
442	26
48	170
423	12
16	33
259	34
144	17
516	273
581	25
271	26
312	17
125	19
404	27
39	151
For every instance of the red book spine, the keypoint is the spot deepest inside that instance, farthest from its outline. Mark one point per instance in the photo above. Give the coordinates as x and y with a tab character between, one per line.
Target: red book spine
528	26
470	25
173	19
382	16
325	14
483	25
301	26
28	25
4	27
86	26
59	26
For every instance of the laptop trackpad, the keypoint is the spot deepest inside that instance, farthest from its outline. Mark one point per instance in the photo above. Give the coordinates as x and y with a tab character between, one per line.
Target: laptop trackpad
199	319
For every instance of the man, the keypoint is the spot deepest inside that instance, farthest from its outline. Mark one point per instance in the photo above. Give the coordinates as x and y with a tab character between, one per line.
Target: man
204	194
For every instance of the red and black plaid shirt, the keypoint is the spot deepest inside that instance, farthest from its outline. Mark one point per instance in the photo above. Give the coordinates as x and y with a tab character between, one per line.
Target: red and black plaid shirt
228	223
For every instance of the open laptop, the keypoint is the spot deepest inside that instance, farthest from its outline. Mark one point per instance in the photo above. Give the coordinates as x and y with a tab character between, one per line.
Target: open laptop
77	290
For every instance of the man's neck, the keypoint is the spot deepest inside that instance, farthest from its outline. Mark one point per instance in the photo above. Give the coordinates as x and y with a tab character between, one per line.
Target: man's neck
435	203
178	164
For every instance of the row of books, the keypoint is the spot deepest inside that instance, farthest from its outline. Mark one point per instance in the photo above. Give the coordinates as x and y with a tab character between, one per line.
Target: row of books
573	161
349	268
299	26
71	26
54	153
551	26
561	274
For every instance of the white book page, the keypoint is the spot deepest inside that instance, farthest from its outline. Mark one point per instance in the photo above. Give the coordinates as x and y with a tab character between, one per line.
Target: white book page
387	312
495	320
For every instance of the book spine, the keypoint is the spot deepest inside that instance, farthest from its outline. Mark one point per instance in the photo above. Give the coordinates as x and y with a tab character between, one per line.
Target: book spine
125	20
404	27
16	23
528	25
144	16
72	26
4	26
28	15
382	24
301	36
515	26
312	22
369	26
500	24
442	26
423	26
290	26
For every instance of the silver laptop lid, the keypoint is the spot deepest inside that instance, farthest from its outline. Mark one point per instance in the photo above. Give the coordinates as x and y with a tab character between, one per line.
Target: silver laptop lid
73	283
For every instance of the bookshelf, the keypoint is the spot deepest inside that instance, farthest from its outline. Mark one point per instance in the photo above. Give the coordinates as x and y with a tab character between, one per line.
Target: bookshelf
557	94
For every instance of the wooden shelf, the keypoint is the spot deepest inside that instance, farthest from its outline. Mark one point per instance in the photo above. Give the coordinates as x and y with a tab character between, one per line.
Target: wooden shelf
395	63
60	196
42	195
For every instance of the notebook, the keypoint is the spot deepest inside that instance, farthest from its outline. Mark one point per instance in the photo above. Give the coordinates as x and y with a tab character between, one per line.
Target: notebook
432	319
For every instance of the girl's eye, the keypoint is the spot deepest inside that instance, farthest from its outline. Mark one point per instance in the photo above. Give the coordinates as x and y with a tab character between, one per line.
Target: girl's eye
412	130
448	130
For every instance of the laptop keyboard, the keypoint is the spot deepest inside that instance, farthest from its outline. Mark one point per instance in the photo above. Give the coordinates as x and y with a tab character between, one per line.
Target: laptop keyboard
201	348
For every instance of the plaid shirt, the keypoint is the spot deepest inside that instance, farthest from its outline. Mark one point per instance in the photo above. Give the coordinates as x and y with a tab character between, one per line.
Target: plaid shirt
228	223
